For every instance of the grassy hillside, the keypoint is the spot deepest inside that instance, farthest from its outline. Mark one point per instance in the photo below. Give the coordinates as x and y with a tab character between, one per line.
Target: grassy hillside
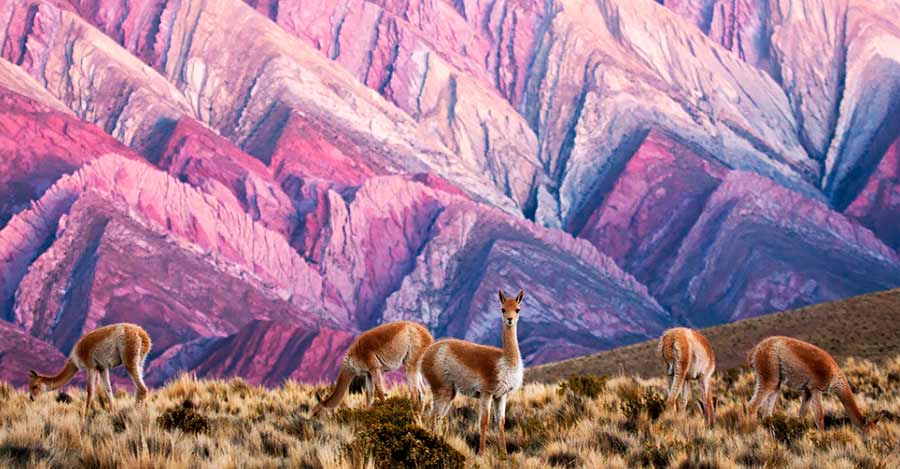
589	422
864	327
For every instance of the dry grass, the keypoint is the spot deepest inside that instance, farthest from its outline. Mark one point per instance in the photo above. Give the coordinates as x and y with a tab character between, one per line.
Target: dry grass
616	422
862	327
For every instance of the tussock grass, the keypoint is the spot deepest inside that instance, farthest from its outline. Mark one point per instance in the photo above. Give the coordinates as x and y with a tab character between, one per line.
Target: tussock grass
586	422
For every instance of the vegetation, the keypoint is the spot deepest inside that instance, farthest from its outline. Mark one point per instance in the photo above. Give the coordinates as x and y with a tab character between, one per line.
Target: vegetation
862	327
585	422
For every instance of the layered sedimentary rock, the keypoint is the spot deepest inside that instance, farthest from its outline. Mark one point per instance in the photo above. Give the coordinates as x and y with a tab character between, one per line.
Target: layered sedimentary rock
227	237
194	154
656	200
826	55
40	143
87	71
20	352
878	204
759	248
262	352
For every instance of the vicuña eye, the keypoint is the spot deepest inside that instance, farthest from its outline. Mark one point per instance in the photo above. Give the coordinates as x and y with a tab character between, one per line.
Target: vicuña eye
517	310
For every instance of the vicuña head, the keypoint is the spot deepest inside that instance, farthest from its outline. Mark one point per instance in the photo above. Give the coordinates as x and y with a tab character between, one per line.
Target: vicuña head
98	351
803	366
488	373
376	351
688	356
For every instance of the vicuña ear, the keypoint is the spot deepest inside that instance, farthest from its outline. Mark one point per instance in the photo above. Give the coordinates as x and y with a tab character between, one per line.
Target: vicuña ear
32	373
520	296
502	296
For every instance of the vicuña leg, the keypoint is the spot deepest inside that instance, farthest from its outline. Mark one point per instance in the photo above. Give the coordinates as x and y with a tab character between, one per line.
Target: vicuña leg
370	390
675	388
378	381
107	388
501	420
91	383
709	403
685	396
484	415
412	380
770	404
804	405
816	401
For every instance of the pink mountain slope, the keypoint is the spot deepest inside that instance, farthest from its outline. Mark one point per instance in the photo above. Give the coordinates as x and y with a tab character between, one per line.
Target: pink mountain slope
257	182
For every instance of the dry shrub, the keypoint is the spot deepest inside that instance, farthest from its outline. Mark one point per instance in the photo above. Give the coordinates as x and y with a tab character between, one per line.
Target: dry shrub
588	386
784	428
392	445
564	459
609	443
637	400
302	428
13	455
183	417
650	455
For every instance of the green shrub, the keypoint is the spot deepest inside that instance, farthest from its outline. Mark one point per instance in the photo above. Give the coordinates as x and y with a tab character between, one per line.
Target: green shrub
183	417
391	445
396	410
588	386
785	429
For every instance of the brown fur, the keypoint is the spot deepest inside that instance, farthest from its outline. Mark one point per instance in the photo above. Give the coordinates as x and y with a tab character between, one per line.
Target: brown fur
489	373
376	351
98	351
784	360
688	356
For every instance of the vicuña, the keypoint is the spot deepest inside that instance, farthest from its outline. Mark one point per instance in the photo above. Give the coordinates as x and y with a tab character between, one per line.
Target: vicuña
98	351
688	356
487	373
786	361
376	351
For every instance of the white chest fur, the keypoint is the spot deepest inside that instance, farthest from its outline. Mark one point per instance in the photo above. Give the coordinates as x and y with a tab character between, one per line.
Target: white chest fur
510	376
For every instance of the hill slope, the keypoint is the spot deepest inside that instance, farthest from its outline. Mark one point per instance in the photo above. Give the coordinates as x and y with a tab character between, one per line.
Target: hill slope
863	327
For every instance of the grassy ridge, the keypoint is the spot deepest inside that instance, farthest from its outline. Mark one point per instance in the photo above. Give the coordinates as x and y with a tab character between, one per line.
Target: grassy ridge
863	327
585	422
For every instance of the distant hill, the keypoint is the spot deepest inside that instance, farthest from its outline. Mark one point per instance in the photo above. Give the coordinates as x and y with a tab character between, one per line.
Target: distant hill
864	326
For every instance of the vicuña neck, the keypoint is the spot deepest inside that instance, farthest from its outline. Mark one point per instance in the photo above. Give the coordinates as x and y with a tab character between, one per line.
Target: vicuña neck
63	377
511	343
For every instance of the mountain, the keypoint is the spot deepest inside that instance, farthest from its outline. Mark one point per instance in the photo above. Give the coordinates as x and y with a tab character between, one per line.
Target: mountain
256	183
859	327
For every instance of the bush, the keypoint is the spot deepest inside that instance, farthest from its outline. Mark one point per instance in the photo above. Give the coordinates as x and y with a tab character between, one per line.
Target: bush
386	433
391	445
588	386
396	410
564	459
184	418
785	429
637	399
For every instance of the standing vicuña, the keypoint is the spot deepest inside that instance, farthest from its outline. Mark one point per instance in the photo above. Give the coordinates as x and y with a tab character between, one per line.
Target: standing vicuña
800	365
688	356
97	351
384	348
488	373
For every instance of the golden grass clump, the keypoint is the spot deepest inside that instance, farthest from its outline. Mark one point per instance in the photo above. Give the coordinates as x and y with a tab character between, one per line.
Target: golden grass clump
617	422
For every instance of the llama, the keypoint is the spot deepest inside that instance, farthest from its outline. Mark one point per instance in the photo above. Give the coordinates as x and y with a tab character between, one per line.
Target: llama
487	373
800	365
378	350
97	351
688	356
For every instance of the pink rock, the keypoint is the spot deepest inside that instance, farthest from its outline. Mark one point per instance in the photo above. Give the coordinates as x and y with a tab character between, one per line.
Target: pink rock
196	155
39	144
760	248
655	201
878	204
